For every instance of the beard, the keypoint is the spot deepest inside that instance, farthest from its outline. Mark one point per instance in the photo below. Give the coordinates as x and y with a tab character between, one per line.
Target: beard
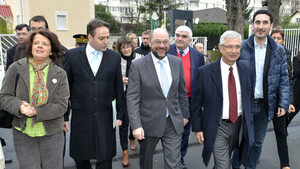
159	57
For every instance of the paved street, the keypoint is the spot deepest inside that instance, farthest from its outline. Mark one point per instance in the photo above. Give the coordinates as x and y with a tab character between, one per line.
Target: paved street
269	158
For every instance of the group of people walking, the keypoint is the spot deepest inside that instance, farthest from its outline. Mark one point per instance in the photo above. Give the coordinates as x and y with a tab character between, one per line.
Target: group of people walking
161	91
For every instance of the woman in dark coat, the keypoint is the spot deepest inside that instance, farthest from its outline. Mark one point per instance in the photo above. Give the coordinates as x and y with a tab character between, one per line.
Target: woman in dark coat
125	47
280	123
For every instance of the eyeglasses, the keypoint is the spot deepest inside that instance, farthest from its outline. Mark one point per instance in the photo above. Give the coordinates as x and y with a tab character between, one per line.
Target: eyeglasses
158	42
232	46
183	36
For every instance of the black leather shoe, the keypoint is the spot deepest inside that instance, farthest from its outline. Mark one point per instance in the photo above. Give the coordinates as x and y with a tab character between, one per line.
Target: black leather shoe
235	168
8	160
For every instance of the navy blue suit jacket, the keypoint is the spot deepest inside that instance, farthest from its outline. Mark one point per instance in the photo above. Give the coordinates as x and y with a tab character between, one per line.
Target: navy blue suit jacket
197	60
208	103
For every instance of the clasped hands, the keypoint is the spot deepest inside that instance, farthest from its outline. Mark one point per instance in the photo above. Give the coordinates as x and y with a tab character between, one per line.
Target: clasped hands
27	110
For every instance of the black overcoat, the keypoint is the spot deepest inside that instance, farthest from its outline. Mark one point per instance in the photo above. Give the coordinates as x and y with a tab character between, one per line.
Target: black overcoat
92	132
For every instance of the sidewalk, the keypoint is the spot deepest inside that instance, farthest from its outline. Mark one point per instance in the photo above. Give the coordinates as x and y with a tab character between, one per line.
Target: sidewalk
269	158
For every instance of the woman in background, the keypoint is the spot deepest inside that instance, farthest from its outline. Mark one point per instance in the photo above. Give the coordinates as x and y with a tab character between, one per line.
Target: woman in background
125	46
40	101
280	123
133	38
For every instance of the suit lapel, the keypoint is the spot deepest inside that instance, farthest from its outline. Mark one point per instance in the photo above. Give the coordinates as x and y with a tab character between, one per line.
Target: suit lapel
85	62
104	62
217	77
152	72
174	72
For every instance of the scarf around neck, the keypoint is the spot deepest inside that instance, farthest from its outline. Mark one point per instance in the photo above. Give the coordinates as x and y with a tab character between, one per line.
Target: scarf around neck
39	85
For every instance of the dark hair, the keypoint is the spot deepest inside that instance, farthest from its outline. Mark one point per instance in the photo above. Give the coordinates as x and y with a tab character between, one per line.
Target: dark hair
93	25
263	11
55	44
122	41
39	18
278	29
146	33
21	26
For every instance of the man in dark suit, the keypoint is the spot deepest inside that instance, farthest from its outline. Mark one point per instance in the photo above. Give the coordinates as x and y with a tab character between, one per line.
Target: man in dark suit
21	32
191	60
95	79
157	102
221	116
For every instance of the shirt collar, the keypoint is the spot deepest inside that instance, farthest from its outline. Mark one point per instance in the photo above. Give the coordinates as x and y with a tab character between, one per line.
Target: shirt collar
225	67
264	45
155	60
90	49
186	50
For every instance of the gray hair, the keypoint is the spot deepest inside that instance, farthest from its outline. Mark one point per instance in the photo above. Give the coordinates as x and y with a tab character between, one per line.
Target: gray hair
229	34
185	29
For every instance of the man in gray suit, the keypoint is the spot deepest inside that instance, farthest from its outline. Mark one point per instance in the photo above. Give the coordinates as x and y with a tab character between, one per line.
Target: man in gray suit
157	102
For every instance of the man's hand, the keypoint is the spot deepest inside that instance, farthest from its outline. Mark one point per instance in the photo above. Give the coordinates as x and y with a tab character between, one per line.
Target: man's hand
138	133
280	112
125	80
292	108
185	121
66	126
199	137
118	123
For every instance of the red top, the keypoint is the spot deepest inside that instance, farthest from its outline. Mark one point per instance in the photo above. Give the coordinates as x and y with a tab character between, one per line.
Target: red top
186	61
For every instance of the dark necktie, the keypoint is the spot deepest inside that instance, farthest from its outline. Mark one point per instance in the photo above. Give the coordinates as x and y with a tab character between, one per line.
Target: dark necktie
233	115
181	53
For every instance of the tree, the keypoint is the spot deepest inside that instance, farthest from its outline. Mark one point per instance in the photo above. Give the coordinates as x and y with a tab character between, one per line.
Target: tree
101	13
236	14
273	7
158	6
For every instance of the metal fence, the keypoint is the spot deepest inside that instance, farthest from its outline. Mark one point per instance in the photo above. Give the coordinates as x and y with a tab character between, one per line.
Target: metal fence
292	40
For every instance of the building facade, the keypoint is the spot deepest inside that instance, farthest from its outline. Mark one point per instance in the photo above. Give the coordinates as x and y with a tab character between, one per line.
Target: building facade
65	17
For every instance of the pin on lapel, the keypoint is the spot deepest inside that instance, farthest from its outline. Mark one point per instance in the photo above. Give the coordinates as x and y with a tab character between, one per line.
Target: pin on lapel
54	81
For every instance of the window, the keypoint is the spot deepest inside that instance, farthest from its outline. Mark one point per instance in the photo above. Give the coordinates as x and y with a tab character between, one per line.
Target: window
61	21
298	20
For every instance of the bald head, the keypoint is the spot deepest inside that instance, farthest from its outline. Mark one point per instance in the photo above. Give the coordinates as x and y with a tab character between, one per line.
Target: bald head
159	42
199	47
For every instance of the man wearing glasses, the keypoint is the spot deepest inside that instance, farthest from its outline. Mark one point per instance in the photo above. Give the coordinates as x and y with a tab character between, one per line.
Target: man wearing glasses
191	60
222	104
157	102
36	23
22	32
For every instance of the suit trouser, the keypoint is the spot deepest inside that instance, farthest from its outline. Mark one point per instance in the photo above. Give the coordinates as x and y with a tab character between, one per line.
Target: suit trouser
227	140
280	129
171	143
34	152
186	136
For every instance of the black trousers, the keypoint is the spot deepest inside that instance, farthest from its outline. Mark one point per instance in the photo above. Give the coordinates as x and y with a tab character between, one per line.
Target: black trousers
86	164
123	130
280	129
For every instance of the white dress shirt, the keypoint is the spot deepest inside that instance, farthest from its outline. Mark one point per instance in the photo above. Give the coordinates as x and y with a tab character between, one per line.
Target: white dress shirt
225	73
260	56
185	51
90	55
167	66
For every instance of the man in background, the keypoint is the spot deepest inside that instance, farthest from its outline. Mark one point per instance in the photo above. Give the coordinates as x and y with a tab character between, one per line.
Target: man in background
191	60
21	32
144	49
